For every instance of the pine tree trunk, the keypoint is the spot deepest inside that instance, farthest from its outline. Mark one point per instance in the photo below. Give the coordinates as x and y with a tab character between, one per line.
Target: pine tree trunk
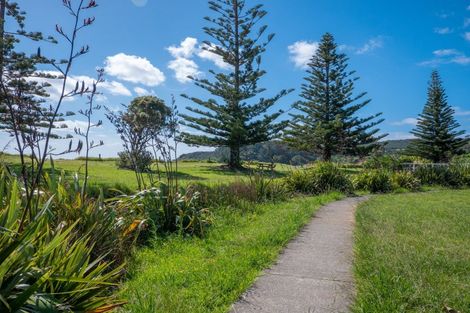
2	33
235	162
326	155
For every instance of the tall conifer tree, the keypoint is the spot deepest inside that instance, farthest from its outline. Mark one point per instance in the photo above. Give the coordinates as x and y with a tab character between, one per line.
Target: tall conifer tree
327	122
236	116
438	137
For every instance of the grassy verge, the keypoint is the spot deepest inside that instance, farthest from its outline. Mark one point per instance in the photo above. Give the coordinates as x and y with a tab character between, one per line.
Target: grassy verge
208	275
413	253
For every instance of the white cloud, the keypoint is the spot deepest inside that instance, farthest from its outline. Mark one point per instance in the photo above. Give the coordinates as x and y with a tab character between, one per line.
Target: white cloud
55	89
371	45
184	68
142	91
205	52
72	124
460	112
186	49
133	69
446	52
461	59
182	64
443	30
447	56
301	52
409	121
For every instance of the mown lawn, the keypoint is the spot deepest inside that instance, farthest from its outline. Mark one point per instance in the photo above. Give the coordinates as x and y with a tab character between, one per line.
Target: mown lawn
208	275
107	173
413	253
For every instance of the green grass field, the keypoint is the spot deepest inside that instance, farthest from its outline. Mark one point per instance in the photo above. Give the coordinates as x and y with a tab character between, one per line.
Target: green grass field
413	253
107	173
208	275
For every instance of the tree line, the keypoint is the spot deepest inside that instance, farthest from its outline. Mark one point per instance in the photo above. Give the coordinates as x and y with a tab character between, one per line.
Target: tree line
235	114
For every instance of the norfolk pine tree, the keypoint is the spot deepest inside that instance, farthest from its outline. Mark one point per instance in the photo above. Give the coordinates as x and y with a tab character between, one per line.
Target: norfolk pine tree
437	136
236	116
327	122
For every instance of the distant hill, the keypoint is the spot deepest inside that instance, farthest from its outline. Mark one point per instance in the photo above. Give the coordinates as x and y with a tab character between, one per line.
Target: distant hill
279	152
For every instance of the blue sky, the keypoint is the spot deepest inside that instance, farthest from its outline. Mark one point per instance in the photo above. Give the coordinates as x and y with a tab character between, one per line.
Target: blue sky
148	47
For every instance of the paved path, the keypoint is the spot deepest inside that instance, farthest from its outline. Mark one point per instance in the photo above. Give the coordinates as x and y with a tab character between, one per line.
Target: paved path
314	273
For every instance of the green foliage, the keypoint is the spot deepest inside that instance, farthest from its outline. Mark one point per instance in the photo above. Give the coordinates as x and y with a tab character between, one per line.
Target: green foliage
405	180
228	119
140	162
328	123
165	212
453	175
45	267
437	137
323	177
389	162
240	194
375	181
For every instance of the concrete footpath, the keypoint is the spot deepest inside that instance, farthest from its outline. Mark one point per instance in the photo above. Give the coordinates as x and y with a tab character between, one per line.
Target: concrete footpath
314	272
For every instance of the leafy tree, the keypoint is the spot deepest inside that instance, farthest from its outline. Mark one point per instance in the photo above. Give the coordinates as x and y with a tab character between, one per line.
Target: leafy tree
437	136
236	117
26	112
328	123
137	126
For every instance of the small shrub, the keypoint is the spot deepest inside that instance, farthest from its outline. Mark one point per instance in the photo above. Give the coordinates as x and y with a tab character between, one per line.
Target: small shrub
375	181
165	212
453	175
321	178
405	180
240	194
385	162
143	161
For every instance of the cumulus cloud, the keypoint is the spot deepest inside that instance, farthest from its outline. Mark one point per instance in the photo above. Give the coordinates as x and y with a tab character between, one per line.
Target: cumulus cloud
371	45
443	30
142	91
409	121
55	89
205	52
301	52
133	69
186	48
184	69
183	63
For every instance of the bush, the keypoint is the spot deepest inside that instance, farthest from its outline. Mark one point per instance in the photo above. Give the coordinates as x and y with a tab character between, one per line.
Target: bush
453	175
166	212
46	267
375	181
321	178
385	162
405	180
143	161
240	194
